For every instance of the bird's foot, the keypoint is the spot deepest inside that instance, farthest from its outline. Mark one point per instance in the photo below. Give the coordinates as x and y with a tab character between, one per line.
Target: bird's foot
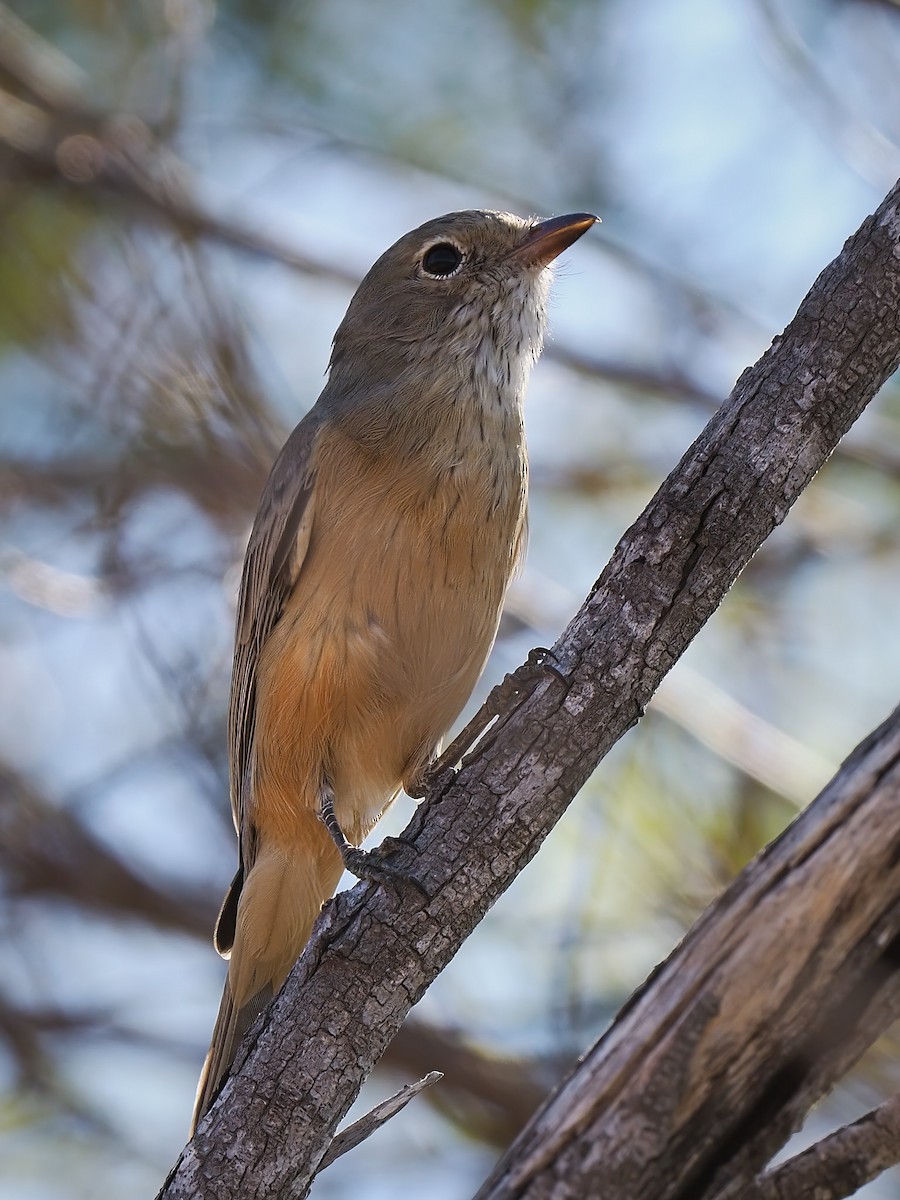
364	864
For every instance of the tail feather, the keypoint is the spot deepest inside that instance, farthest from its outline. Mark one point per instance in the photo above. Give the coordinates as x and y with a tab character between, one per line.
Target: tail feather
277	906
228	1033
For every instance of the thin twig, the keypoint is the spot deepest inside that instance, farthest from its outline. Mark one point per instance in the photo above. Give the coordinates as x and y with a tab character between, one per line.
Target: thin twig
350	1138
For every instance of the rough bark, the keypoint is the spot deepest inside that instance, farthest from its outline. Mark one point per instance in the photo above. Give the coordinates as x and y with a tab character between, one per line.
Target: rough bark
375	951
840	1164
773	994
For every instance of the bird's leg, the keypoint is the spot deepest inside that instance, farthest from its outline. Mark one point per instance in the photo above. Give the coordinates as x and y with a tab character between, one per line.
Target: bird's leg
364	864
502	701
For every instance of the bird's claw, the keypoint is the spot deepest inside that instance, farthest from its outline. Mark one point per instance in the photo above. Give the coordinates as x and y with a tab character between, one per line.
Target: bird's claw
367	864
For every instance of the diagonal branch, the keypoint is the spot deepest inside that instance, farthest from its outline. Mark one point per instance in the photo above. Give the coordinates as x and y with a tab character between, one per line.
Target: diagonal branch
839	1164
772	996
355	1134
375	951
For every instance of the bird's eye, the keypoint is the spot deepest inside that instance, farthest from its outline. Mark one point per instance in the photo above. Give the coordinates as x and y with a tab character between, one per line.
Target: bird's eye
442	260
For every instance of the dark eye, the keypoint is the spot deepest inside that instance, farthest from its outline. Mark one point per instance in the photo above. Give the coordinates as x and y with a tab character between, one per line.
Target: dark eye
442	260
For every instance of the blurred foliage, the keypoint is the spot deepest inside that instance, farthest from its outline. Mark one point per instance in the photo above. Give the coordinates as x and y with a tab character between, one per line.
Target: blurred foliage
188	191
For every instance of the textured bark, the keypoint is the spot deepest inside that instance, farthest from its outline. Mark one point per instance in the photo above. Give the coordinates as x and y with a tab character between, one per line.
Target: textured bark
375	950
840	1164
773	994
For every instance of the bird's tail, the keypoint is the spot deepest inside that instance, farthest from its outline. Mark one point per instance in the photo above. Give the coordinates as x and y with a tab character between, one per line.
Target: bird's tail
231	1025
279	902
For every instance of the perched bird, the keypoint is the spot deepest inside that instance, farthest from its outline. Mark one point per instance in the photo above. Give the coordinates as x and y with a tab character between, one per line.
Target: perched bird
372	586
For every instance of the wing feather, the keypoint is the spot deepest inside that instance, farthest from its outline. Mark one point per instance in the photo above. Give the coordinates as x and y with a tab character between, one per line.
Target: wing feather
272	564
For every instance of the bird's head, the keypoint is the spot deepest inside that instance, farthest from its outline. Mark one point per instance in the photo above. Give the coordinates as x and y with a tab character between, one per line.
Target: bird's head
459	285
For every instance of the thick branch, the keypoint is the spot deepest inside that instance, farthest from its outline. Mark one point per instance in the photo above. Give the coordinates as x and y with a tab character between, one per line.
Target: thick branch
375	951
776	991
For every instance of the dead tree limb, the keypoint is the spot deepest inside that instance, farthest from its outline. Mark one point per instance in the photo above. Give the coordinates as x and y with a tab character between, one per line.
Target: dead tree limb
772	996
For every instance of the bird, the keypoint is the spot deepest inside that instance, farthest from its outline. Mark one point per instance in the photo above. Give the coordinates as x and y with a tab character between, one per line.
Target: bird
386	535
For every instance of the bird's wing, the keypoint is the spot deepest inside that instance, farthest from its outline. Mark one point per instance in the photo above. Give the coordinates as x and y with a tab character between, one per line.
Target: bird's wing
275	554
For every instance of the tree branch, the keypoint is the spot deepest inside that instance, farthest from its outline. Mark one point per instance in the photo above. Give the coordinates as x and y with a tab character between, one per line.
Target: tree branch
375	951
774	993
839	1164
355	1134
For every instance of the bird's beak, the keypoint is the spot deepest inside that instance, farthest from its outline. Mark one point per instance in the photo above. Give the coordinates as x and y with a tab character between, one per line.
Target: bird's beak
545	240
